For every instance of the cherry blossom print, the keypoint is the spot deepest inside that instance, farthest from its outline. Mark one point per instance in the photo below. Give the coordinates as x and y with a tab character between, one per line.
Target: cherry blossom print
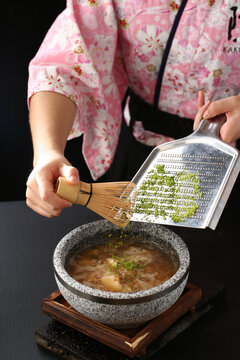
124	23
211	2
220	71
55	82
77	69
92	3
143	57
52	79
138	86
78	49
173	6
102	53
193	87
97	103
101	164
95	49
200	74
151	39
204	51
175	81
151	68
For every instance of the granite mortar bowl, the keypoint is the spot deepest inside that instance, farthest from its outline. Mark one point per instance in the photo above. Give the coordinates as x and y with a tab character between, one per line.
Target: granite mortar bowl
120	310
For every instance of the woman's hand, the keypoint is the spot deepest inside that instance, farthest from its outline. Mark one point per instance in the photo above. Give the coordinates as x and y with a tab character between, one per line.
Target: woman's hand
230	130
40	194
51	117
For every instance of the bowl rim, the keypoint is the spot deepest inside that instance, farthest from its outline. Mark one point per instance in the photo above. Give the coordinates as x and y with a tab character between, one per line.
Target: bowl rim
101	296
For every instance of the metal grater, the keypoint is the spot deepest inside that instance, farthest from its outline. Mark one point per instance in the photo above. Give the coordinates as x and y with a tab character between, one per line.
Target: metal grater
202	155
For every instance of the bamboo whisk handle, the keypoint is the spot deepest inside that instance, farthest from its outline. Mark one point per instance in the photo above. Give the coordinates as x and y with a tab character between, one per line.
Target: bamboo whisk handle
77	194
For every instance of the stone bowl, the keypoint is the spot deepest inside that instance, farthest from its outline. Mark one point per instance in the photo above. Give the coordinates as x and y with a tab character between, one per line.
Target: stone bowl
121	310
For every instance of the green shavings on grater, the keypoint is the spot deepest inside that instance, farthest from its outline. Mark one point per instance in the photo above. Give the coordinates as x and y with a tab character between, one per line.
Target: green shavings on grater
174	195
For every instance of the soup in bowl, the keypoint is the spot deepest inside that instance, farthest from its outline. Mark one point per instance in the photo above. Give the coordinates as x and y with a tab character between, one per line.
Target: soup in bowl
124	264
121	277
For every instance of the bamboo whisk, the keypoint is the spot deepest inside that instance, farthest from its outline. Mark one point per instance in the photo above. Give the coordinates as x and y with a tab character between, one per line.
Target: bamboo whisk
114	201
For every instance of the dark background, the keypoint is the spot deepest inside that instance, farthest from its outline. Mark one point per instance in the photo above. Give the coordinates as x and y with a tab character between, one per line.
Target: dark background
23	27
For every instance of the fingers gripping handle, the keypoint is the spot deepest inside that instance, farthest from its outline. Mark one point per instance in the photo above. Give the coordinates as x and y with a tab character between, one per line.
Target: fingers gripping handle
211	127
78	193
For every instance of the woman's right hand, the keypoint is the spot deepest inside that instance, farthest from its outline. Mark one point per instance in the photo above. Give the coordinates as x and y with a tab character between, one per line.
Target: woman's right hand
40	194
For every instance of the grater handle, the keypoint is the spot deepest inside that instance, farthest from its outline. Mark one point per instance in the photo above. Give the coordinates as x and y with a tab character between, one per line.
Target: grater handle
211	127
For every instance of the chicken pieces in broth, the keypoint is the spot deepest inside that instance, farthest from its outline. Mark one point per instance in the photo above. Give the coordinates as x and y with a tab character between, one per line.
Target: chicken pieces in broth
122	266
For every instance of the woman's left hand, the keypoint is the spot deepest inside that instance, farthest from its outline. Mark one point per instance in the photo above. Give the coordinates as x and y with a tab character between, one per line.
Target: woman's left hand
230	130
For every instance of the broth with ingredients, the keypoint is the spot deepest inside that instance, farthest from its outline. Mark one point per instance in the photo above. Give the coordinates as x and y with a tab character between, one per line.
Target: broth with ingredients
122	266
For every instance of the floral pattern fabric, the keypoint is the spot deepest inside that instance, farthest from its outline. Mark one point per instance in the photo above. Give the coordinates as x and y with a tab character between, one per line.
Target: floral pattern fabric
95	49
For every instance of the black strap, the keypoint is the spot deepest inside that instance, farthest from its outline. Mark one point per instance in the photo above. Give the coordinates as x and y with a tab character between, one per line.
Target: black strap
166	52
156	120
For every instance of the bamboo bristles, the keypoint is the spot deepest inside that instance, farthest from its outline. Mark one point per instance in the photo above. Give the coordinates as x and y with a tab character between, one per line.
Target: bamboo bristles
114	201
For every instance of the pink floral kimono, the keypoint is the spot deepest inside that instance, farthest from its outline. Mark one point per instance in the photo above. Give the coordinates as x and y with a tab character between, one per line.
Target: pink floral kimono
97	48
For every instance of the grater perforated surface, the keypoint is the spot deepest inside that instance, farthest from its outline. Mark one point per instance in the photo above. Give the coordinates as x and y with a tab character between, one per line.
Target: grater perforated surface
208	161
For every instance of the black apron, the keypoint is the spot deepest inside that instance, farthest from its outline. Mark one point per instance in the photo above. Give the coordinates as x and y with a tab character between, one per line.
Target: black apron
130	153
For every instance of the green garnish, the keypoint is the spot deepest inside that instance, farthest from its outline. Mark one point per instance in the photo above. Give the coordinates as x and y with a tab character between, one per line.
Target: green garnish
165	195
121	262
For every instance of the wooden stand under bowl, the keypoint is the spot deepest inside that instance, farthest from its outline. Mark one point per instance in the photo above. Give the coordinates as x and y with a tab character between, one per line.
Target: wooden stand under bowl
131	342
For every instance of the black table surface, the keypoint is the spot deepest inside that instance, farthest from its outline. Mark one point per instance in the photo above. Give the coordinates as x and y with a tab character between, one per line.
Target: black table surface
27	242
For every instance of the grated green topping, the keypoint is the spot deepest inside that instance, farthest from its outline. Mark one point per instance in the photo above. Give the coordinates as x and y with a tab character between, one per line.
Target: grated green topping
166	195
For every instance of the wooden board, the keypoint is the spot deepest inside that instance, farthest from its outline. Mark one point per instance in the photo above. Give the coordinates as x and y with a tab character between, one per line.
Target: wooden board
131	342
